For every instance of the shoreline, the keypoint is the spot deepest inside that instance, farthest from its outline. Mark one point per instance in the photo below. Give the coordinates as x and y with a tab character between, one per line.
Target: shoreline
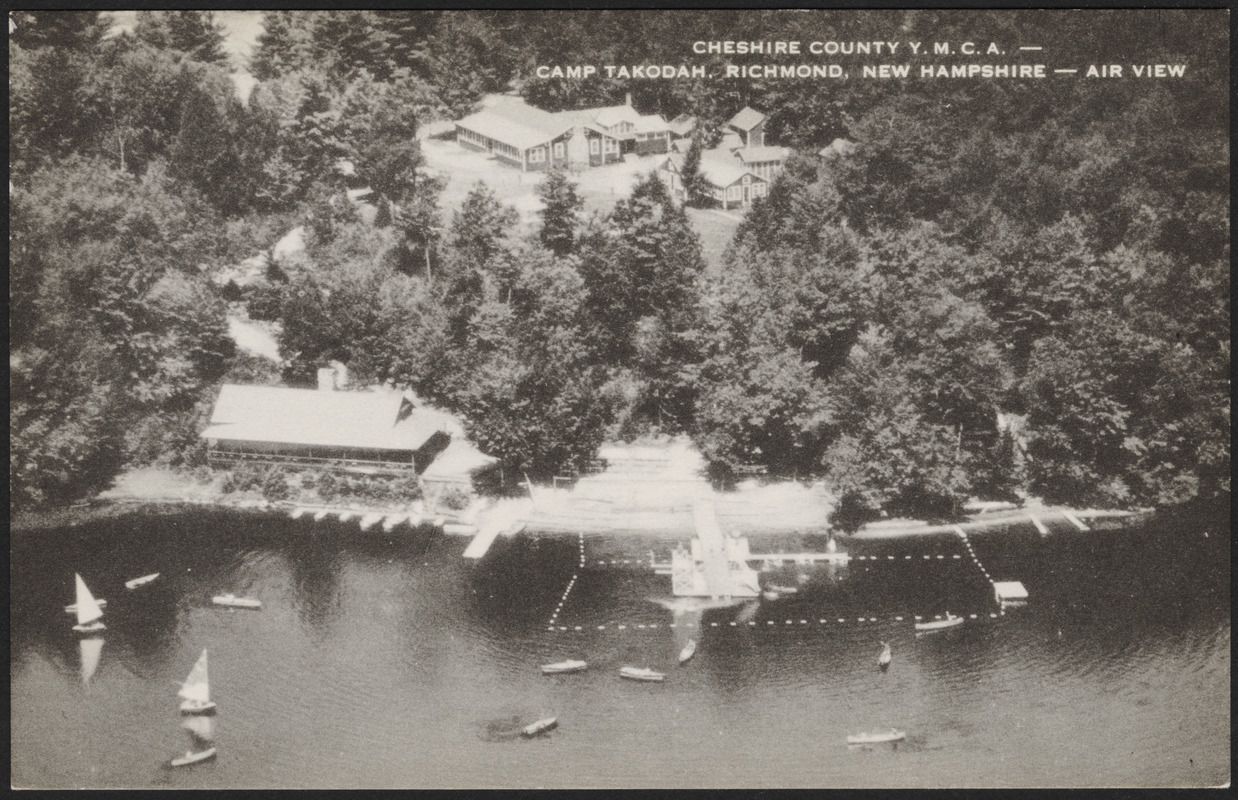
665	525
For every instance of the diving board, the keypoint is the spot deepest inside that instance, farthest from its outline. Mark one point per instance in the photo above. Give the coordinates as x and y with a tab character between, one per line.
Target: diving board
482	541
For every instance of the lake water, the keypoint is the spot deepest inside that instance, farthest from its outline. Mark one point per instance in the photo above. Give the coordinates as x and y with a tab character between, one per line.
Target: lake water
387	660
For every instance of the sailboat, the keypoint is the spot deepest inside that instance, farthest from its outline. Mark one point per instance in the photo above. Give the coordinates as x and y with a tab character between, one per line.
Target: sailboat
91	648
89	615
688	651
196	691
885	658
202	737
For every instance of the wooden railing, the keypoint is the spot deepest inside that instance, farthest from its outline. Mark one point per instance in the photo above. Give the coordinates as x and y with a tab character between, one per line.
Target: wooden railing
231	456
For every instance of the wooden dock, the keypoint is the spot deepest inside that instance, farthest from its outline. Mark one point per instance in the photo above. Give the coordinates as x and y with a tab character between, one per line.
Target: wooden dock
713	548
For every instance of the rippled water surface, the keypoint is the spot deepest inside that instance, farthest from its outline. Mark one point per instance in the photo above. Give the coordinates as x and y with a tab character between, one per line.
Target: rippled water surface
387	660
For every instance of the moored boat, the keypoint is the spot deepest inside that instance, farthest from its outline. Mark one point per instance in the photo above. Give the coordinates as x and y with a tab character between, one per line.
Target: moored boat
195	692
142	581
540	727
950	621
688	651
89	614
641	674
563	666
891	735
233	601
191	757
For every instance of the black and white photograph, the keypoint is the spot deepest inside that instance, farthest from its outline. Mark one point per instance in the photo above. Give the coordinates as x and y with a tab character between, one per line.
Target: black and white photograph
619	399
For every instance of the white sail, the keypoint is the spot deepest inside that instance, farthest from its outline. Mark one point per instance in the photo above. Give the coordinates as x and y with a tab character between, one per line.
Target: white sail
197	686
91	649
87	609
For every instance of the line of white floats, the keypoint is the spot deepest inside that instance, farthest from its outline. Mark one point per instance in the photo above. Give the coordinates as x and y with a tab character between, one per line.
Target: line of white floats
369	519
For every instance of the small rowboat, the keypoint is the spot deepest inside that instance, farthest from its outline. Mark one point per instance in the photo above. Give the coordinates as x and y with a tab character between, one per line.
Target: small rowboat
563	666
191	757
688	651
950	621
540	727
142	581
877	738
641	674
233	601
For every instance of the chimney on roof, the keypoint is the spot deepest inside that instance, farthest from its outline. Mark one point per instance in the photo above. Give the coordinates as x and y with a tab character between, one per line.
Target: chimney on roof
627	99
332	377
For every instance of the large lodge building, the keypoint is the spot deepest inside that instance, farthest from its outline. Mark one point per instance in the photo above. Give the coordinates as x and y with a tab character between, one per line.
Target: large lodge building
515	133
531	139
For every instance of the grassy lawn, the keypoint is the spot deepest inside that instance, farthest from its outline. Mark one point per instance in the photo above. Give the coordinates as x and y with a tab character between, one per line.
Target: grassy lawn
716	228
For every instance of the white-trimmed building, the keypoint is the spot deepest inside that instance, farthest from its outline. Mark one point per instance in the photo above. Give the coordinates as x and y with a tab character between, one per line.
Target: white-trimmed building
728	183
519	134
765	162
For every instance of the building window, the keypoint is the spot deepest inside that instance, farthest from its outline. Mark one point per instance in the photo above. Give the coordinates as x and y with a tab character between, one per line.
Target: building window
537	155
594	147
732	193
612	146
558	149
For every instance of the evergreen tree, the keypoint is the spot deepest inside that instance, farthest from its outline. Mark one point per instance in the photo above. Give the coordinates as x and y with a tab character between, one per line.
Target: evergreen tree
80	31
694	190
194	33
560	215
283	46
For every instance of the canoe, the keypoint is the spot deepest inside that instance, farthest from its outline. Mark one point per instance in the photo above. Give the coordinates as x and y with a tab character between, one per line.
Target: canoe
876	738
233	601
688	651
191	757
950	621
142	581
540	727
563	666
640	674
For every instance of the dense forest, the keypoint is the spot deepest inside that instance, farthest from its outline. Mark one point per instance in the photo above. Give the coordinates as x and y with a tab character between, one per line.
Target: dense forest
1053	252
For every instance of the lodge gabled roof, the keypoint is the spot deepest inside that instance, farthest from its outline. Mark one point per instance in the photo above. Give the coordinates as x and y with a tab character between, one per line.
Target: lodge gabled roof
747	119
519	125
311	417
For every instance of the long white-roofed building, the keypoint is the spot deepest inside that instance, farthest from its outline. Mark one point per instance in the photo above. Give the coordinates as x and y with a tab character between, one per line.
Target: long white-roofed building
531	139
368	431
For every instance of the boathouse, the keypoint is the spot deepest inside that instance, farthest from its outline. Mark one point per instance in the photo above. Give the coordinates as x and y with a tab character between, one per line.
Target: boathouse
366	431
